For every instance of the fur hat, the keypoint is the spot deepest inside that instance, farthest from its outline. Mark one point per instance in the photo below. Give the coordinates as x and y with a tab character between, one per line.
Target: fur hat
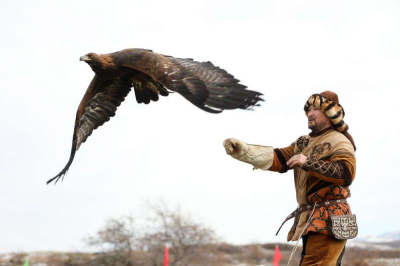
328	102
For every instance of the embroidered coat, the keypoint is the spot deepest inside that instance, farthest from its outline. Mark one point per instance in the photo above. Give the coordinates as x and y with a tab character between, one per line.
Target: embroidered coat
329	171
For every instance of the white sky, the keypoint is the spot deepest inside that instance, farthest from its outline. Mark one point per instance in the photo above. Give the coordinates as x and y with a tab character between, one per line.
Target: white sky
287	50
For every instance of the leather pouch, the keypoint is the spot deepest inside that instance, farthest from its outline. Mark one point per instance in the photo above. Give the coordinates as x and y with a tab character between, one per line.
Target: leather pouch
343	227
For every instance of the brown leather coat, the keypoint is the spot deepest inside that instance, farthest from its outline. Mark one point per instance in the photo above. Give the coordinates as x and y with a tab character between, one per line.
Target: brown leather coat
329	171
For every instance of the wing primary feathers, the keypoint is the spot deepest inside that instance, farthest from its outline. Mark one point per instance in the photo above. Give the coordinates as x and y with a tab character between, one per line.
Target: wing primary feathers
65	170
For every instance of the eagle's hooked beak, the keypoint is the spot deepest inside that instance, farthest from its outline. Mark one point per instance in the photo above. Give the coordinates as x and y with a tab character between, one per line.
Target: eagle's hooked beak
84	58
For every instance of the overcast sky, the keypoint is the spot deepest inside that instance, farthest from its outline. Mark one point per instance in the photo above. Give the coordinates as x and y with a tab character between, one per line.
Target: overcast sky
287	50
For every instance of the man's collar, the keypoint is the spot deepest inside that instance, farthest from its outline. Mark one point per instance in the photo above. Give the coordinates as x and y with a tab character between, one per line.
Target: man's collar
319	133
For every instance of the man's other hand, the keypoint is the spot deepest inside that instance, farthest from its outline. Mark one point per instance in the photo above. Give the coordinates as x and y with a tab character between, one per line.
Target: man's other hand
298	159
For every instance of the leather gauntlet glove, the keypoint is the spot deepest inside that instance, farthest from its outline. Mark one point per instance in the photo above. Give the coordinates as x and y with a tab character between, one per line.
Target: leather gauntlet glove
261	157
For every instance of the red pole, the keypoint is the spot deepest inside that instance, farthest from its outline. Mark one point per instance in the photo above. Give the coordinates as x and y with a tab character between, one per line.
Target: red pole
277	256
166	255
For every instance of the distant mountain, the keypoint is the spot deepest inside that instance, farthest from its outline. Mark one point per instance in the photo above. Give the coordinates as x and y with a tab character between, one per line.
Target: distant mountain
387	241
387	237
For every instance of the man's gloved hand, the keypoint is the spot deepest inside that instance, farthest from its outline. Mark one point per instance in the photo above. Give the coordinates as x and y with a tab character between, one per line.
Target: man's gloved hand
235	147
259	156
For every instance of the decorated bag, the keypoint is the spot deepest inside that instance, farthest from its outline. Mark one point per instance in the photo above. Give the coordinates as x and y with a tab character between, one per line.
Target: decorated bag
343	227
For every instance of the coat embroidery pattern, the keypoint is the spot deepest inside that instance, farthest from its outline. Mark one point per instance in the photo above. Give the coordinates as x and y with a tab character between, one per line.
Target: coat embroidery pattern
320	149
302	143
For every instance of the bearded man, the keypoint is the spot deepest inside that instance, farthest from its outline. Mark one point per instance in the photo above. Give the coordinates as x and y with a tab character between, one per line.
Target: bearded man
324	167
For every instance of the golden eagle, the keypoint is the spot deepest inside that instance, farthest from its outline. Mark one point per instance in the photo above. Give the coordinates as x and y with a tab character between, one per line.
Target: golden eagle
208	87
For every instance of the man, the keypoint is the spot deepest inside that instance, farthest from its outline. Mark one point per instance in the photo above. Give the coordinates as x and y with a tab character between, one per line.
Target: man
324	167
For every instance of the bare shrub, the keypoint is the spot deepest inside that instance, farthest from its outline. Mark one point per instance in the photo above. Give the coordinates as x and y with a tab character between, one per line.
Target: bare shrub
190	243
116	241
122	244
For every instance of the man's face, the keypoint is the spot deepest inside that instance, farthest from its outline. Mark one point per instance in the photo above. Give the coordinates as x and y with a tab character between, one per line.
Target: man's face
317	120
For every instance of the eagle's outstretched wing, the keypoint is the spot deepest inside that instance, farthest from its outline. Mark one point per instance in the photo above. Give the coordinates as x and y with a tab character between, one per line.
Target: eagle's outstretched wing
210	88
97	107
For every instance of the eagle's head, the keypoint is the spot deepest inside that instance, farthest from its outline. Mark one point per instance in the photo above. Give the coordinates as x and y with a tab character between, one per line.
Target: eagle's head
90	58
97	62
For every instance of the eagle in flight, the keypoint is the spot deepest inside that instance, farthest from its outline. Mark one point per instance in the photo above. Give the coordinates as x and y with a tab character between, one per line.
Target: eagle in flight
210	88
